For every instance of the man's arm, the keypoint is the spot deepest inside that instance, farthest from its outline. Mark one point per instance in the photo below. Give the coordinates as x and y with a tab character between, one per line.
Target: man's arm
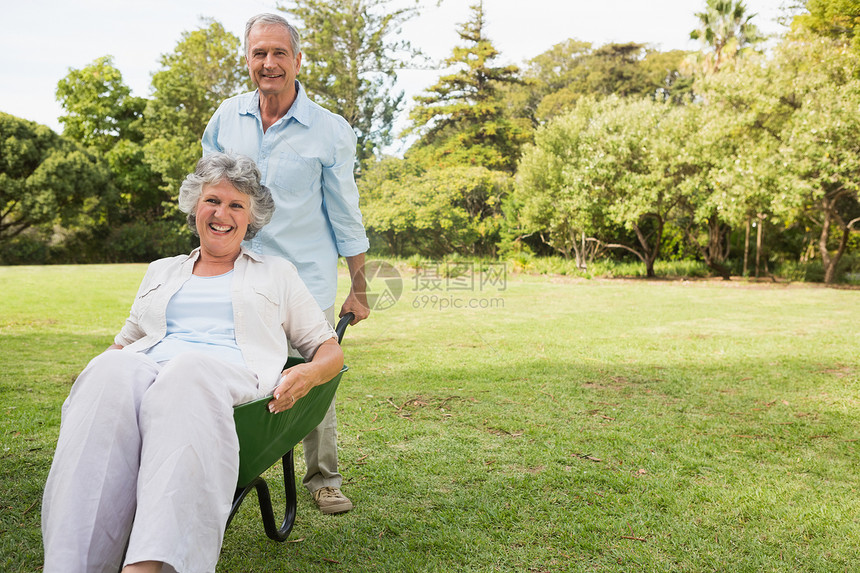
356	300
209	141
341	204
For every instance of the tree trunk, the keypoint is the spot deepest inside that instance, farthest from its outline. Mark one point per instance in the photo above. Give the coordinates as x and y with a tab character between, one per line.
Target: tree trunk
758	242
391	239
715	255
650	254
747	248
584	265
649	269
722	270
578	253
831	261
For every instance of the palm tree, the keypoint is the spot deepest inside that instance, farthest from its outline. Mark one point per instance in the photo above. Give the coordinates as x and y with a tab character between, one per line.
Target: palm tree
725	26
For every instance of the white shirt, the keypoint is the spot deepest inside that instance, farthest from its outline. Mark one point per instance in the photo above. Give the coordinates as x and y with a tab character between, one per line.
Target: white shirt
271	305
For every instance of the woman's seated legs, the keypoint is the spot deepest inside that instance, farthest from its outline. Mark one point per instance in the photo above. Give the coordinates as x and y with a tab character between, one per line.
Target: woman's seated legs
89	500
189	462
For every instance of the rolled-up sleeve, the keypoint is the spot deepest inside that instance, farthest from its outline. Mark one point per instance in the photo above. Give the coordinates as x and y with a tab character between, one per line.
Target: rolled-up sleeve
341	193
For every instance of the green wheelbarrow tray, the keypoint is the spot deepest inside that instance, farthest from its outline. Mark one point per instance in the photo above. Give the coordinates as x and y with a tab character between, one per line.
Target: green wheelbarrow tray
264	438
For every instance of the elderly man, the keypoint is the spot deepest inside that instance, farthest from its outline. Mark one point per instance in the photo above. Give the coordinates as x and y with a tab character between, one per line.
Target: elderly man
306	155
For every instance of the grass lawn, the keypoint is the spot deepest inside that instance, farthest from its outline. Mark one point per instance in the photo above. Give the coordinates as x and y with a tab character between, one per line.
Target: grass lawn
568	425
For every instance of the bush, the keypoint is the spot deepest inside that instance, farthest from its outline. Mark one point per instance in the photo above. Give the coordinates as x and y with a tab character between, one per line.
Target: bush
848	270
136	242
141	242
812	271
25	249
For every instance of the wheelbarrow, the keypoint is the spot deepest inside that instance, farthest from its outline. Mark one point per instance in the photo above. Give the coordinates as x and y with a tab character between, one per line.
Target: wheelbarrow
265	438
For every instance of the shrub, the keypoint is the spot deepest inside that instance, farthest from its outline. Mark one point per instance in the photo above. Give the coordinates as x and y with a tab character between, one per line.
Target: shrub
25	249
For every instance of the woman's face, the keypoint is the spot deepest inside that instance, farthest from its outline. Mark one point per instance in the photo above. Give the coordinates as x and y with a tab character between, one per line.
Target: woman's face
222	218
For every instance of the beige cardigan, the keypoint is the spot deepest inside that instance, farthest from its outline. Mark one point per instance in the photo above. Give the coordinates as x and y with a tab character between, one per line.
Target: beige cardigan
271	305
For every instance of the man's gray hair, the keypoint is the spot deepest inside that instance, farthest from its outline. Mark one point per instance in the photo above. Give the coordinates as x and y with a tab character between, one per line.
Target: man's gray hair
272	20
242	173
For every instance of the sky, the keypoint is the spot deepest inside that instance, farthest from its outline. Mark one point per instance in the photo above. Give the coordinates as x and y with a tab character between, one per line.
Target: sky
41	40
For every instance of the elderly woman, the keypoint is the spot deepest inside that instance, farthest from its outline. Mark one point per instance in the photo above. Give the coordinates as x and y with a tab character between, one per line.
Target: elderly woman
147	458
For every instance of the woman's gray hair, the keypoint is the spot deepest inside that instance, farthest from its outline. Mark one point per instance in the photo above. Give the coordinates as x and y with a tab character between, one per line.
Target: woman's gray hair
272	20
242	173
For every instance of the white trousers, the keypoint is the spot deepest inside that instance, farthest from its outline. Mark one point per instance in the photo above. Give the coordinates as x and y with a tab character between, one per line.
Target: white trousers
147	458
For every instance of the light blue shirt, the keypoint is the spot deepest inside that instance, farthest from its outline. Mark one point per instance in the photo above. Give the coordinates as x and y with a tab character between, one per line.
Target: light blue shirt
306	159
200	319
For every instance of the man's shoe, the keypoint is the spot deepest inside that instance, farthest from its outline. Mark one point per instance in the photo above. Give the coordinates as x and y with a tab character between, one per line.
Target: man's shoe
331	500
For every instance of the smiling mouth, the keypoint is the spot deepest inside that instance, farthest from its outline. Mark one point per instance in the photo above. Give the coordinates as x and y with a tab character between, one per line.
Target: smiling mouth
220	228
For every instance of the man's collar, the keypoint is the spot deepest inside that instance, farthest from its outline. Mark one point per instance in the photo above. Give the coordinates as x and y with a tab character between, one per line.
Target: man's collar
300	110
301	107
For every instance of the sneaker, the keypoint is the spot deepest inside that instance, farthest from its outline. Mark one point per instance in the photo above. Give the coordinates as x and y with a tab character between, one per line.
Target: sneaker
332	500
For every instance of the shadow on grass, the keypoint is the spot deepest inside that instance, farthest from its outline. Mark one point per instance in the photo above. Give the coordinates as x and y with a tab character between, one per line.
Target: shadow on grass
567	466
533	464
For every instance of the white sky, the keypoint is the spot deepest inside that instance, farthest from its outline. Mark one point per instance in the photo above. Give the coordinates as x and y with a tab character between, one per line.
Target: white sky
40	40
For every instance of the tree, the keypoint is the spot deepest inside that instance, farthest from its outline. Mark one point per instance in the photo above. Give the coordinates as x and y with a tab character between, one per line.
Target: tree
570	70
549	199
45	178
461	119
434	212
350	63
546	75
100	109
613	69
740	123
600	167
708	158
631	167
796	113
835	19
725	28
821	150
559	66
665	76
386	204
101	113
205	68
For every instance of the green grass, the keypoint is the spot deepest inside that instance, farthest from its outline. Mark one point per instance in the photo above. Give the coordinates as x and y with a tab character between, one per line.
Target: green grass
577	425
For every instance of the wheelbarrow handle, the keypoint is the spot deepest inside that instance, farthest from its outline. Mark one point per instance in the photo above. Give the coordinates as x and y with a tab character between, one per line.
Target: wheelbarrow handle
340	329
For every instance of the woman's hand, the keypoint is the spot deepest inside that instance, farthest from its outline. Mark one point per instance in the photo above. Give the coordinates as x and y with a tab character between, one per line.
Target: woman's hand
297	381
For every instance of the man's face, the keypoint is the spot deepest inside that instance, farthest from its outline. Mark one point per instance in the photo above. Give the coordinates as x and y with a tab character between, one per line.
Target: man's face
271	62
